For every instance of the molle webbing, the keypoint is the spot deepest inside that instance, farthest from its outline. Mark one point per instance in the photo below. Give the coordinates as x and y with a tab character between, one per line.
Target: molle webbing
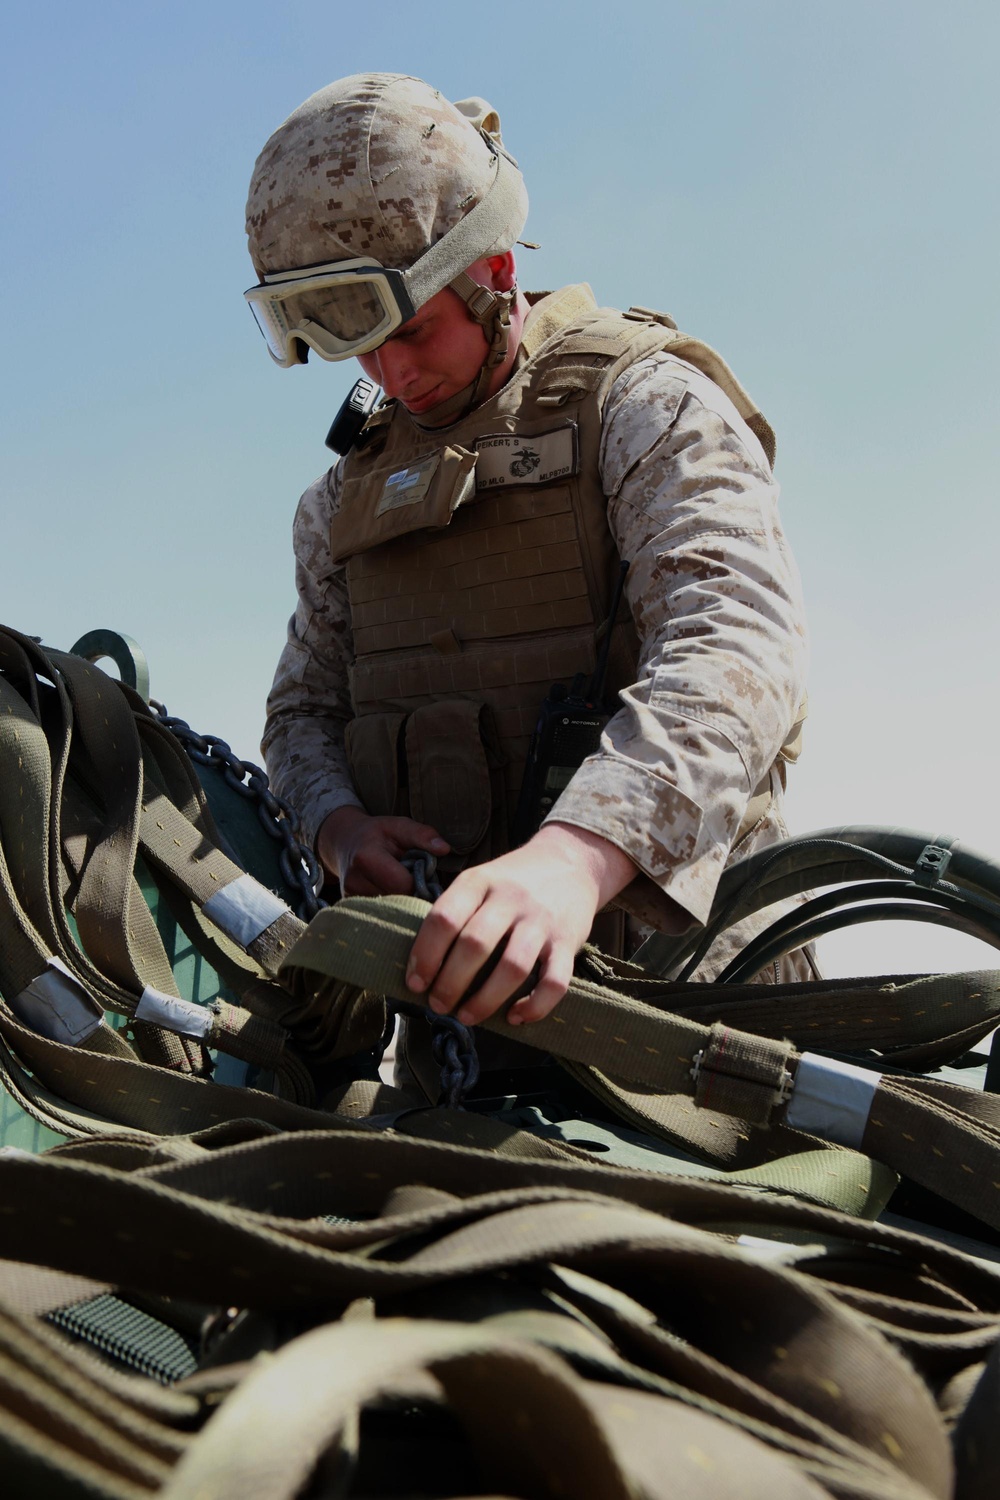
493	608
494	594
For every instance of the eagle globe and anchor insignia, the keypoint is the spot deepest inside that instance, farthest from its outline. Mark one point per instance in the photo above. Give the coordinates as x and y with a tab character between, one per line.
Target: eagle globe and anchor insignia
526	458
524	461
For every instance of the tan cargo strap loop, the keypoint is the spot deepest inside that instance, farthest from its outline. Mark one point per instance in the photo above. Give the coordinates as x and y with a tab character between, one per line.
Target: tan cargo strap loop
943	1136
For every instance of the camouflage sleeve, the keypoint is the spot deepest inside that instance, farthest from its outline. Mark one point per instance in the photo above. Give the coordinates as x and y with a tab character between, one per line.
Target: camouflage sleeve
309	703
716	599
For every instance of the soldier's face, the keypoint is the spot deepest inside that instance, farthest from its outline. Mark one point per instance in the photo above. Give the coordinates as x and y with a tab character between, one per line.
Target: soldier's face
435	355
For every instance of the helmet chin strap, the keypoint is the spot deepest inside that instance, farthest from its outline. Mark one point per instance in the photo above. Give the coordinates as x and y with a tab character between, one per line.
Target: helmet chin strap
491	310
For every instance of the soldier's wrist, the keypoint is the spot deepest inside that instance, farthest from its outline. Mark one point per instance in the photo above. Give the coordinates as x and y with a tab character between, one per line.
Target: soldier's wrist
335	828
609	867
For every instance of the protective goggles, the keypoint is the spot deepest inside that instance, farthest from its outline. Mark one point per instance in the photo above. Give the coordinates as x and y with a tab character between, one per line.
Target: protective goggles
344	308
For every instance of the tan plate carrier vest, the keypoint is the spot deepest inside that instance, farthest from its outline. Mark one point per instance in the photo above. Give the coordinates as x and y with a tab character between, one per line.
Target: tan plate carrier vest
480	567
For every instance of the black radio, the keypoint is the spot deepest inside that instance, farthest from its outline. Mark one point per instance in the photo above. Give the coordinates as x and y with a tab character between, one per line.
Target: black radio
354	413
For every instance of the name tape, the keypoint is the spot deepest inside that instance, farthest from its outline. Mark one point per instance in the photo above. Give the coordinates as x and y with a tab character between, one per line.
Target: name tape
507	458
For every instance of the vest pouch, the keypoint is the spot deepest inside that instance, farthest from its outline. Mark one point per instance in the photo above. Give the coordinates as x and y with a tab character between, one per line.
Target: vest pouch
373	745
379	505
455	766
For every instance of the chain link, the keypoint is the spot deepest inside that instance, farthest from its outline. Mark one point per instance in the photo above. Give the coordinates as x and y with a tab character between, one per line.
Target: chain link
455	1053
423	867
452	1044
300	869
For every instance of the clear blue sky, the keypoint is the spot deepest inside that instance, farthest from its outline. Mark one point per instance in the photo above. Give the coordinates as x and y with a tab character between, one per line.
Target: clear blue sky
810	187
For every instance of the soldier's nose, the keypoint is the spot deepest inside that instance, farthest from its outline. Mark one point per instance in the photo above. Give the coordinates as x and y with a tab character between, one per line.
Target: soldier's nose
396	369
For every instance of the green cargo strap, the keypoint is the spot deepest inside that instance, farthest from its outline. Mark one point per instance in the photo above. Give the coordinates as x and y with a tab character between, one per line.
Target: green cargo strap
829	1378
532	1424
122	782
38	789
943	1136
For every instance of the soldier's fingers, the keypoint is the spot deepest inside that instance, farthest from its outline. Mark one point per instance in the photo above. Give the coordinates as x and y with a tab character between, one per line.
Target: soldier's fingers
477	942
513	968
406	833
551	986
440	928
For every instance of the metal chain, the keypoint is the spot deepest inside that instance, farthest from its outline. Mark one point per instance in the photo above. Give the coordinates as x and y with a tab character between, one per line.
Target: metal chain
455	1054
423	867
452	1044
300	869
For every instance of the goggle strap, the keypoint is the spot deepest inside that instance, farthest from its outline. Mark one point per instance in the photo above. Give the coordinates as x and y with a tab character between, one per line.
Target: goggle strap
483	231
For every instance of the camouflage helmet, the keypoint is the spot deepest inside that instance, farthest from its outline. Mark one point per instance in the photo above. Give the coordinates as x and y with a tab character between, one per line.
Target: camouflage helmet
382	166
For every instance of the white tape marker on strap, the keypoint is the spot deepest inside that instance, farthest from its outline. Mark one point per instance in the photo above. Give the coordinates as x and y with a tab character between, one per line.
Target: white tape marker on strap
832	1099
182	1016
58	1006
244	908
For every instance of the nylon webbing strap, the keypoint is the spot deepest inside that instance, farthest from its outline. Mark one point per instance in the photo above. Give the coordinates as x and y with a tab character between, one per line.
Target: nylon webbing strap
119	781
105	757
103	794
913	1020
110	913
945	1137
68	1426
82	1093
204	873
487	1379
29	884
160	810
366	943
766	1347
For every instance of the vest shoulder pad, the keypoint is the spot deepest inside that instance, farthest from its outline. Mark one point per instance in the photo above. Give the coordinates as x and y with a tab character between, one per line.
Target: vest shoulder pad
589	360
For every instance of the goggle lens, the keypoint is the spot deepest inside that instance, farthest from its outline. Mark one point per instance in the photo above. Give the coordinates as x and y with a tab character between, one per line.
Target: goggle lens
351	313
337	312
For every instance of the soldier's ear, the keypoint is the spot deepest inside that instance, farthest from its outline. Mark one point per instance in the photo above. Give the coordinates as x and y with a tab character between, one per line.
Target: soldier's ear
503	271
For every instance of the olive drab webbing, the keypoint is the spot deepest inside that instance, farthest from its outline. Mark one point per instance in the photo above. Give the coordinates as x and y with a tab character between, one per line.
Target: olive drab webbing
917	1126
228	1291
743	1336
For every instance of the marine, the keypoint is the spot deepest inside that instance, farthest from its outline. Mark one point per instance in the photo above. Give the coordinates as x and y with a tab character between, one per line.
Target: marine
461	558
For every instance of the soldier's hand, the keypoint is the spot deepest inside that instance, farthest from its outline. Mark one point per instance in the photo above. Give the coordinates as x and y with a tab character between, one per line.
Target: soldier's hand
537	903
363	852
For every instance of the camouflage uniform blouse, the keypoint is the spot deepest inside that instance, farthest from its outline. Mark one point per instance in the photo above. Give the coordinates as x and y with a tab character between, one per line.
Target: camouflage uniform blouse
716	600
